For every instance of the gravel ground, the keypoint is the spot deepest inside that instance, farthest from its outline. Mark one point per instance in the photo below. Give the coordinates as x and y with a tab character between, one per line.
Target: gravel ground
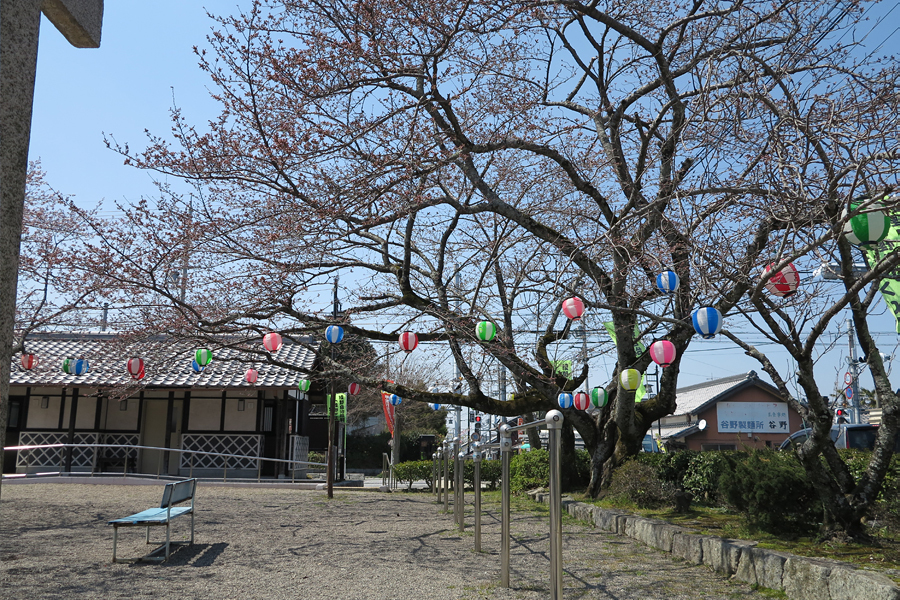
284	543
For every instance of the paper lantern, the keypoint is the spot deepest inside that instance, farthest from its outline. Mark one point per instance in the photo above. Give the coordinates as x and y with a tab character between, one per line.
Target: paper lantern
353	389
662	352
435	406
29	361
564	400
203	357
251	375
395	400
334	334
135	368
272	341
196	367
630	379
707	321
303	385
869	227
409	341
599	397
784	282
75	366
573	308
667	282
485	331
581	401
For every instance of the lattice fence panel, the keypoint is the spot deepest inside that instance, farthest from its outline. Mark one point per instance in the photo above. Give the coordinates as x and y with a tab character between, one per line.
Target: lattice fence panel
49	457
121	439
244	445
300	451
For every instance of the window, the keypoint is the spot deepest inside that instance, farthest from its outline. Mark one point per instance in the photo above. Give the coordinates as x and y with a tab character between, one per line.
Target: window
705	447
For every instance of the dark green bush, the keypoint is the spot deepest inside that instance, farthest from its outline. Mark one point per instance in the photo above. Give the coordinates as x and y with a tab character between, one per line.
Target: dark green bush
490	473
701	477
638	482
670	466
772	491
365	451
413	471
530	470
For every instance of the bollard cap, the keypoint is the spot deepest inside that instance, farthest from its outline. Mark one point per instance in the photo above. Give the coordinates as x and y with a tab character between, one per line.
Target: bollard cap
433	456
504	429
462	456
554	419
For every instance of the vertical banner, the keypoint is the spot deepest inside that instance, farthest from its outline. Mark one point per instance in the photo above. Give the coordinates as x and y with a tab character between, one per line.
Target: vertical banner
388	410
639	349
889	284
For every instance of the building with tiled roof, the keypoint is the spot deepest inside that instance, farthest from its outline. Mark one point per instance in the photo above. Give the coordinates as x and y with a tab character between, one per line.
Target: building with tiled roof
170	407
730	413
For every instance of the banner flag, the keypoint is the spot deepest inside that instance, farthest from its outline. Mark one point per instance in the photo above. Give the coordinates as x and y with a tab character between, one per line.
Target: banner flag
388	410
639	348
889	285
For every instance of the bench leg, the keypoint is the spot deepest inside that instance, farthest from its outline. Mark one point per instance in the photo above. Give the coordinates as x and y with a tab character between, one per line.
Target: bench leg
148	534
115	540
192	528
167	541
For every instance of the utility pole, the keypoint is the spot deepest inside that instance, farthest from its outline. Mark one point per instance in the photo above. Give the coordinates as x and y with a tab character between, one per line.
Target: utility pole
854	374
331	407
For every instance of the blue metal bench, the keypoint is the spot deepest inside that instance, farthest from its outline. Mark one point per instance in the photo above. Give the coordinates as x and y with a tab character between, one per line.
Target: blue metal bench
173	494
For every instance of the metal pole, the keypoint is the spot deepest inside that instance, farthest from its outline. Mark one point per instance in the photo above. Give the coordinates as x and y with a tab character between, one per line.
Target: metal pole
456	471
476	459
505	451
554	420
434	473
446	476
439	472
461	513
854	373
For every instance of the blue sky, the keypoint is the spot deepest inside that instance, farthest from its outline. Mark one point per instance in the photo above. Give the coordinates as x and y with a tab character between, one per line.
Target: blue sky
146	59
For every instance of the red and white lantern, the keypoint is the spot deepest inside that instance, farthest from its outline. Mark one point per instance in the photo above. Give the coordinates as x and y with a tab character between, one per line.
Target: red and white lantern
353	389
135	368
582	401
573	308
662	352
272	341
29	361
785	282
408	341
251	375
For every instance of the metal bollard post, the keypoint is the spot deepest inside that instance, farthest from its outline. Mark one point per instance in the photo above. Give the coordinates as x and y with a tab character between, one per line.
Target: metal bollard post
461	513
446	477
435	474
476	460
554	420
505	452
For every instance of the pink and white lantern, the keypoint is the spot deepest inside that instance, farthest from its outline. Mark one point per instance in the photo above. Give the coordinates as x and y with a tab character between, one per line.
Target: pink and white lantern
29	361
272	341
251	375
408	341
353	389
662	352
573	308
135	368
783	283
582	401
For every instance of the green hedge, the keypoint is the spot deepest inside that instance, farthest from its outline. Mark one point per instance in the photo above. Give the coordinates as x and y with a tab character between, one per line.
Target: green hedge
413	471
530	470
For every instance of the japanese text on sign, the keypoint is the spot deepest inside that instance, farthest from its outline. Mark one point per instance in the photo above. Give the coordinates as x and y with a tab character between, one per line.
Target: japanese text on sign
753	417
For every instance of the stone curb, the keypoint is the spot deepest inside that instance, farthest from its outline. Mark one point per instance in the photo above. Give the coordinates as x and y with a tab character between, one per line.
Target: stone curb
799	577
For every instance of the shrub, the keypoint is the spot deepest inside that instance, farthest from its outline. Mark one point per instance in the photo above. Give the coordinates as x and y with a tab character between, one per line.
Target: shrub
490	473
413	471
701	477
772	491
529	470
637	482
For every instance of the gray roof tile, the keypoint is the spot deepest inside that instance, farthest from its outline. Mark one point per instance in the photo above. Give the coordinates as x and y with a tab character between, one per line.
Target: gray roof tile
167	363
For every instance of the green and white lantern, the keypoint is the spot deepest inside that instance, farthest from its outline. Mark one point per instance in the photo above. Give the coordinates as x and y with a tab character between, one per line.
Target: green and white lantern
203	356
869	227
303	385
599	397
485	331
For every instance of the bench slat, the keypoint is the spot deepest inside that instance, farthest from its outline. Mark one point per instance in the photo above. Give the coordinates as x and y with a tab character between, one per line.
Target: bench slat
152	515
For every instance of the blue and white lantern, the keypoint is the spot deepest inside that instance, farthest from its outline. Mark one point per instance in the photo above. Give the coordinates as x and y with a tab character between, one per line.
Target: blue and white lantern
435	406
395	400
334	334
565	400
195	366
707	321
75	366
667	282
